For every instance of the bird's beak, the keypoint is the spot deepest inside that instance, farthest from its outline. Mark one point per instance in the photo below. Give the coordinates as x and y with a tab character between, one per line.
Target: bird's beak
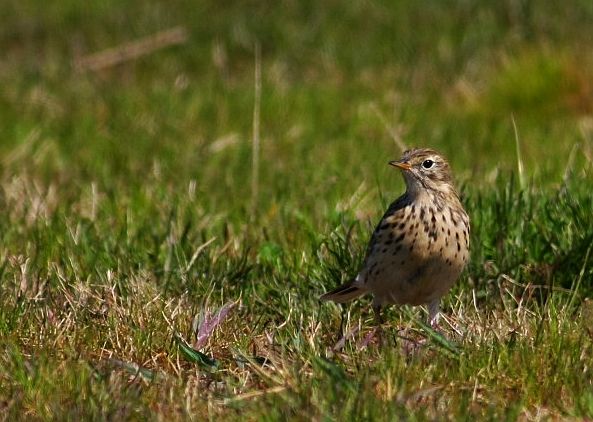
401	165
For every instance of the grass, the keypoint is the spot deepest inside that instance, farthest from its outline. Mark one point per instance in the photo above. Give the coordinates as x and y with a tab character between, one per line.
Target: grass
141	278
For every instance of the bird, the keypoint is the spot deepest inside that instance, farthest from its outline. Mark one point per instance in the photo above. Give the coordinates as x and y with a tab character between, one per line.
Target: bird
421	244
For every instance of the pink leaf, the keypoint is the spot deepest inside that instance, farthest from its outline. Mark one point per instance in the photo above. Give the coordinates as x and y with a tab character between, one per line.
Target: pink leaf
342	342
210	323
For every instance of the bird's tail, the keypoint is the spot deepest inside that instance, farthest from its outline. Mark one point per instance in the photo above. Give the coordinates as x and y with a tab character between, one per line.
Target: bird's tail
345	293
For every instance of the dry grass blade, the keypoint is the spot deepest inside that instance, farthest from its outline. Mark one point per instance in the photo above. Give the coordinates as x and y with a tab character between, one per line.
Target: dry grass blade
256	133
520	169
254	394
394	131
132	50
197	253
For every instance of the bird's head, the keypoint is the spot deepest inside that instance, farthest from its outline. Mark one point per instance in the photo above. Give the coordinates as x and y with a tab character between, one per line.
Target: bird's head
425	169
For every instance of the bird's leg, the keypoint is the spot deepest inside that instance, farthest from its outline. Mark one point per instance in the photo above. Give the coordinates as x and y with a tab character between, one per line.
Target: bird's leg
342	317
434	314
413	346
379	322
377	312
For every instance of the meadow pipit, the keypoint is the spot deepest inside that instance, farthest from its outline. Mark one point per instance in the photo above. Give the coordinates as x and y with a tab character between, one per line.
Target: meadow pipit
421	244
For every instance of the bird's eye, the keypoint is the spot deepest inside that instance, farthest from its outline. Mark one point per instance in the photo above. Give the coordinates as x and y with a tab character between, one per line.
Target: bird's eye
427	164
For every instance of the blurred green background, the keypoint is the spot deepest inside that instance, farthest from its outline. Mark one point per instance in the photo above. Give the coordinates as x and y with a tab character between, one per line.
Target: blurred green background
336	75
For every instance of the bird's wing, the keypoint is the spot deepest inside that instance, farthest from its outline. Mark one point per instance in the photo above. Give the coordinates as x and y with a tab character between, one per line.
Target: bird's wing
397	205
